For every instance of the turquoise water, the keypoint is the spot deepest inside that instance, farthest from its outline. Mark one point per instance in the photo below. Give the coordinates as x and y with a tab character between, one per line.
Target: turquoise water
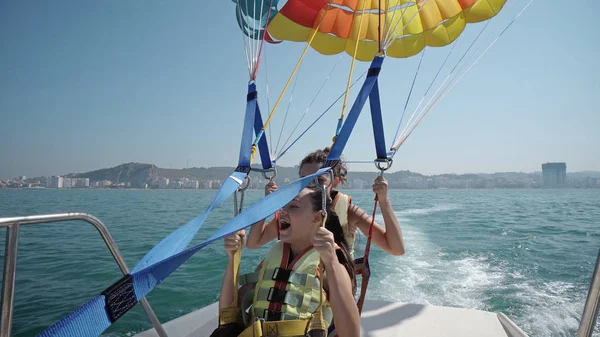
527	253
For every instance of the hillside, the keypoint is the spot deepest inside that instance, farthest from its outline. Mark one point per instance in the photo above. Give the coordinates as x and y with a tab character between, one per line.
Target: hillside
135	173
139	174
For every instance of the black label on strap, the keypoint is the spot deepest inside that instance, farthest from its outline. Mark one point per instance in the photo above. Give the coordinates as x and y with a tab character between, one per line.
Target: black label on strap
331	163
251	96
119	297
276	295
243	169
373	72
281	275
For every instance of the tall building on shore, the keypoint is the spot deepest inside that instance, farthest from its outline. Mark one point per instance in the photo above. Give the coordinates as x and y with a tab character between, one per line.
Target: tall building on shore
54	182
554	174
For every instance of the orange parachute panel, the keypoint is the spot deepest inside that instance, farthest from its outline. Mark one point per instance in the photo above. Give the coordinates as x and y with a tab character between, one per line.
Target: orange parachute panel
405	26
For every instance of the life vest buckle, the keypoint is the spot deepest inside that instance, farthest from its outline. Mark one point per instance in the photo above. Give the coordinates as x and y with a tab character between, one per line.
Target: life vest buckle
276	295
281	275
271	315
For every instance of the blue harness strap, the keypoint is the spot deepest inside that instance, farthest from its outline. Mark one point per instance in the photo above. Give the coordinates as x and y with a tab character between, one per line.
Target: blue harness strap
263	148
97	315
370	90
180	238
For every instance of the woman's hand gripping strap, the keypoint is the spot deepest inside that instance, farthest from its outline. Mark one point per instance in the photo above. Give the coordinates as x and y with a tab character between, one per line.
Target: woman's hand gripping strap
233	314
317	321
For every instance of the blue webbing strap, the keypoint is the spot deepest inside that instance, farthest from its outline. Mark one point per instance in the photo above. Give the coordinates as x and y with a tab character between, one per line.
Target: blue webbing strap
377	121
365	92
91	319
263	148
180	238
246	144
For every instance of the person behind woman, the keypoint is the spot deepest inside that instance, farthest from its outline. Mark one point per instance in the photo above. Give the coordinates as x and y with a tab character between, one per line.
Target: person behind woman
389	238
288	286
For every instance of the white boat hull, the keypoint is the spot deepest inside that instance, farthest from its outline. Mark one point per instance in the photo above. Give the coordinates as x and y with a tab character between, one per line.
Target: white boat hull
379	319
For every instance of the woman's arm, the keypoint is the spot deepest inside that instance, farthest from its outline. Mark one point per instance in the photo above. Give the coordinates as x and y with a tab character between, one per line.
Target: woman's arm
342	300
388	238
231	243
340	294
226	297
261	234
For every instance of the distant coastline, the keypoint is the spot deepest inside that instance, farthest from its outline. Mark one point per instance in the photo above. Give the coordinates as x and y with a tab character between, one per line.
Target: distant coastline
148	176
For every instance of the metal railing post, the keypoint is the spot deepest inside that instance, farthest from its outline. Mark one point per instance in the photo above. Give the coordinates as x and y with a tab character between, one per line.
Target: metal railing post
8	279
590	311
10	263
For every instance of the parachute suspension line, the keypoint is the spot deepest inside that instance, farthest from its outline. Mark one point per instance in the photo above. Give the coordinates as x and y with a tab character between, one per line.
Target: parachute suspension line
341	120
438	73
435	98
379	28
287	111
262	40
388	27
253	52
253	42
287	84
453	83
268	98
311	103
393	37
416	111
245	38
316	120
409	94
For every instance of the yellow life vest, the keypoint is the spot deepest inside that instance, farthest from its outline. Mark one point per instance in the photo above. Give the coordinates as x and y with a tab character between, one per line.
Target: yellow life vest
341	204
287	295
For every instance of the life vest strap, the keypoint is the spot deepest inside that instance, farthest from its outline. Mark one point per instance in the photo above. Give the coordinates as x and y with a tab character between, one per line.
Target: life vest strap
274	316
230	315
277	328
280	296
276	274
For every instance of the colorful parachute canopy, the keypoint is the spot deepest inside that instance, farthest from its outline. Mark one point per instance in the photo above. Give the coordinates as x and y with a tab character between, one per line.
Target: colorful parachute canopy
405	26
253	15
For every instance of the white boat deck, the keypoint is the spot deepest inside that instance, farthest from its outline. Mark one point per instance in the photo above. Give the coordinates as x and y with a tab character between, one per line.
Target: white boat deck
379	319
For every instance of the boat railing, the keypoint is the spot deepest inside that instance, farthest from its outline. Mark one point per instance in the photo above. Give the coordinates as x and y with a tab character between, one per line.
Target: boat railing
590	310
10	261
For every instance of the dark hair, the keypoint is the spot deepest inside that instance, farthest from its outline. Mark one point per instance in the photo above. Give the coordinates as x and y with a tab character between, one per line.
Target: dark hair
334	226
320	157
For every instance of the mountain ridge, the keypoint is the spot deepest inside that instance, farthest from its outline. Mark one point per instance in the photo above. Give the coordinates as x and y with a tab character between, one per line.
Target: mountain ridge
139	174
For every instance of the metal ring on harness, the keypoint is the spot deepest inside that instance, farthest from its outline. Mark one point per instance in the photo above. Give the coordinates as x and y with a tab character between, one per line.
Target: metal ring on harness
245	184
388	163
324	191
274	170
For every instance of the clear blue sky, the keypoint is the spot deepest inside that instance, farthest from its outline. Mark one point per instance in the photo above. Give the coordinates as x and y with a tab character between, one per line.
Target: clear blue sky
93	84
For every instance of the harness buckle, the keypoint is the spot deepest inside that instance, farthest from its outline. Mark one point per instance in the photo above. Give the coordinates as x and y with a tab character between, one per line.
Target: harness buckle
281	275
271	315
276	295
